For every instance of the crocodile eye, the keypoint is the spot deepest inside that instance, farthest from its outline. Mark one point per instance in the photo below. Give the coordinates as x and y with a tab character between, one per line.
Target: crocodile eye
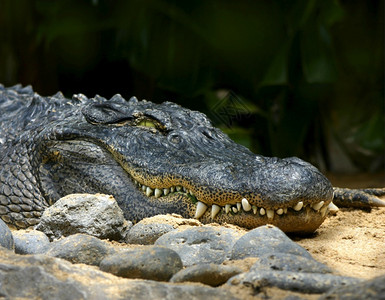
147	123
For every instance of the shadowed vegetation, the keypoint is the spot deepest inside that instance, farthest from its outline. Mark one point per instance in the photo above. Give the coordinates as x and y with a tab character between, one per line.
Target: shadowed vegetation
284	78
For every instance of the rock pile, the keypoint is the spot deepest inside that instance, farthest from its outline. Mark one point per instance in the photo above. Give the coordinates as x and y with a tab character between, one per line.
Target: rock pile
84	253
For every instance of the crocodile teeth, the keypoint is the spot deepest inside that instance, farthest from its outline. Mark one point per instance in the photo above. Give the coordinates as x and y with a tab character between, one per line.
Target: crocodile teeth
298	206
237	207
270	213
324	210
246	205
332	208
158	193
201	208
318	205
215	209
149	191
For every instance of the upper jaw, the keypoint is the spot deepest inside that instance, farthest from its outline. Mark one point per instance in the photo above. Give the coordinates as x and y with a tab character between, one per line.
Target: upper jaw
279	184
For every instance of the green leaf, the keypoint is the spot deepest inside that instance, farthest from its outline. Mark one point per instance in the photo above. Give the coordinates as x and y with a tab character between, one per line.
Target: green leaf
277	73
316	54
370	134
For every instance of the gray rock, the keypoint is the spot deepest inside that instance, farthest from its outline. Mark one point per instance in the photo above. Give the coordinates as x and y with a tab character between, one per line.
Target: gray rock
6	238
266	239
28	282
30	241
200	245
42	277
80	248
289	262
154	263
98	215
146	234
373	289
157	290
311	283
209	274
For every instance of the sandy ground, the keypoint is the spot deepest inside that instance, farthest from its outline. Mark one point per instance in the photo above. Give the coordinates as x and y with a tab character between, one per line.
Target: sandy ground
353	241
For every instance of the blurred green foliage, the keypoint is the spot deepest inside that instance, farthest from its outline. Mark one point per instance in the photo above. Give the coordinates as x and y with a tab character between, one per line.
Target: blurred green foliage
309	75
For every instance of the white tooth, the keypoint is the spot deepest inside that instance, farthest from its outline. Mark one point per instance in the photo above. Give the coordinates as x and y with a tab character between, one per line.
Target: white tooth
239	206
184	190
280	211
270	213
255	209
201	208
166	191
172	189
285	210
136	182
234	209
144	188
298	206
318	205
215	209
324	210
190	192
149	192
332	208
262	211
158	193
178	188
227	208
246	205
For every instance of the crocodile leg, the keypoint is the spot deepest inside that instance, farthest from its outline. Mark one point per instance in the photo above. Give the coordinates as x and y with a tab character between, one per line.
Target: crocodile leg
362	198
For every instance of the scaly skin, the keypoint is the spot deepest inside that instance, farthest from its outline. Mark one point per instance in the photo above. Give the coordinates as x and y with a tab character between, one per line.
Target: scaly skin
153	158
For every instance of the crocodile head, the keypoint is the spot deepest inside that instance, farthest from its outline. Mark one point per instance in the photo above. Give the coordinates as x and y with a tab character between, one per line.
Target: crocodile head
162	158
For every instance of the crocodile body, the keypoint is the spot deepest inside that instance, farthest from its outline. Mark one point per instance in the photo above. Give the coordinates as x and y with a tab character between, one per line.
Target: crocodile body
153	158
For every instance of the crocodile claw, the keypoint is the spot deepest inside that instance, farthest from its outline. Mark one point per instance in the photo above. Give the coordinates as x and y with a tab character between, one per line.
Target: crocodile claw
362	198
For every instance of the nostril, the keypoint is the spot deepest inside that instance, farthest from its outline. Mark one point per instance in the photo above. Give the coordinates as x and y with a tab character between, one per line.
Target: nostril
259	159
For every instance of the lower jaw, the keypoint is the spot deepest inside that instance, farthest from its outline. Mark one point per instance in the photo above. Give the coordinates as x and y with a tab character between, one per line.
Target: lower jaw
306	221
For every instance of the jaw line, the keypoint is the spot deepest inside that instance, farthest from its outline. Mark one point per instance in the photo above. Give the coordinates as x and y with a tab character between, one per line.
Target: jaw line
300	218
305	221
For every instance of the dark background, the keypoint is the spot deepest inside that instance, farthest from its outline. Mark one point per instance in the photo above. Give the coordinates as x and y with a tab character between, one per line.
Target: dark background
284	77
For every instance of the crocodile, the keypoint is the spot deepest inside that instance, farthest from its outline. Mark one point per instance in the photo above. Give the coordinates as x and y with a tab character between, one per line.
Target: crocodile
154	159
